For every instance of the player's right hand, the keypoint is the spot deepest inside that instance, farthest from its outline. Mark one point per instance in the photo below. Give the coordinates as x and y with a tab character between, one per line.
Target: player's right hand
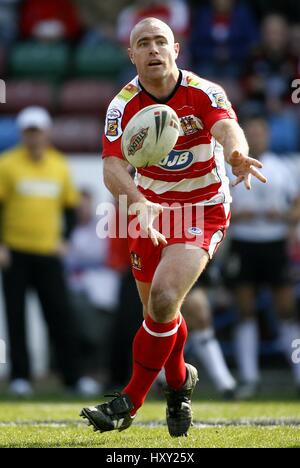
147	212
5	257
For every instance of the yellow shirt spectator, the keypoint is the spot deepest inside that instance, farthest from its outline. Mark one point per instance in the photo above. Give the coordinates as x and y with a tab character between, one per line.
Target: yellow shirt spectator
33	195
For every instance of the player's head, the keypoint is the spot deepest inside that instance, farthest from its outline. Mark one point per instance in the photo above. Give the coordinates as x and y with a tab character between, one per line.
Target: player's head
257	133
152	49
35	124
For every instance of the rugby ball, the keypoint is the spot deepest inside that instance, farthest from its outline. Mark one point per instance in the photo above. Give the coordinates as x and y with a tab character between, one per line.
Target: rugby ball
150	135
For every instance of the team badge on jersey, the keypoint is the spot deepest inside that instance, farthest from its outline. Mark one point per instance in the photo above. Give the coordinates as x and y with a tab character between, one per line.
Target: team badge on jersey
136	261
112	127
190	124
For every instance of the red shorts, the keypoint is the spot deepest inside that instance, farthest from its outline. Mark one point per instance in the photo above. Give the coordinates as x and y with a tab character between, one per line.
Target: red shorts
198	227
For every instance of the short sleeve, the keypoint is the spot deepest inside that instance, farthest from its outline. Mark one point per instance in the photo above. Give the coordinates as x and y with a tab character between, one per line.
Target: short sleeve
214	106
111	140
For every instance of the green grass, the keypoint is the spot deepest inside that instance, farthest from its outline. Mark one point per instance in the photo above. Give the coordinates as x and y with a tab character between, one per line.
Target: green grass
56	424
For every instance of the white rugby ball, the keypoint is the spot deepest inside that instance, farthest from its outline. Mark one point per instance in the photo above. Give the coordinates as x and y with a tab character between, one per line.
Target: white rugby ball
150	135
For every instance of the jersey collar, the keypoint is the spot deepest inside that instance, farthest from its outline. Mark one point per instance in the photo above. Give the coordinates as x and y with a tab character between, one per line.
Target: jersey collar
168	98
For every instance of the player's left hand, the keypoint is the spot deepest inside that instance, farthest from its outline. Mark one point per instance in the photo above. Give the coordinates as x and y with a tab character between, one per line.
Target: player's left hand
244	167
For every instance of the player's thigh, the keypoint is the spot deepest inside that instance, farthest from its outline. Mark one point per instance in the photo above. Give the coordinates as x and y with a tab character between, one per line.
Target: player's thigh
144	293
178	269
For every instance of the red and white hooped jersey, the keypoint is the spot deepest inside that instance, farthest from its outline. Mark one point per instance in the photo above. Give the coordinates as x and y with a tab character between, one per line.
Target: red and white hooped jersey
194	171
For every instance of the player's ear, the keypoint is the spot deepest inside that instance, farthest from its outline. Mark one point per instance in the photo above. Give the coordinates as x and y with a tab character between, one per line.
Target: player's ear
176	49
130	54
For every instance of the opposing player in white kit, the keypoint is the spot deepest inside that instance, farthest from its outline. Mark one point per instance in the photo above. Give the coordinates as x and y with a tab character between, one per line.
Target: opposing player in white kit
261	225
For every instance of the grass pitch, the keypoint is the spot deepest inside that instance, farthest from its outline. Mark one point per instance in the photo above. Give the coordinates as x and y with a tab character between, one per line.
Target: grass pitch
47	423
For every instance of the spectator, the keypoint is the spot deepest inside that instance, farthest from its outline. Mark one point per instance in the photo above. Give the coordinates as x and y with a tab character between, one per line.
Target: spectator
99	20
35	190
94	287
49	20
289	8
261	220
271	66
284	127
8	21
175	13
223	34
202	342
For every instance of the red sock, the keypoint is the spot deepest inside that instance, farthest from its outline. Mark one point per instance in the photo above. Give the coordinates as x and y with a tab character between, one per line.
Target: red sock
152	346
175	366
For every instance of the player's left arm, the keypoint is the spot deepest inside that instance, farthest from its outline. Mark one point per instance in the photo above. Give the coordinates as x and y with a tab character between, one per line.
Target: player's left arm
236	151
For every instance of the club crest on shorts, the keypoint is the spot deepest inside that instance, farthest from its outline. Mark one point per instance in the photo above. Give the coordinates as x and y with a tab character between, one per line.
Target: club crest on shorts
136	261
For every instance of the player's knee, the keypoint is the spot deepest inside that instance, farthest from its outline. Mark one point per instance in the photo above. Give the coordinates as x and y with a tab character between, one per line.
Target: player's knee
163	304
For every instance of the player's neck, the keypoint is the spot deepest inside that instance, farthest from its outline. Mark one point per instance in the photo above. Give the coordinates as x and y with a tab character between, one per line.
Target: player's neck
161	88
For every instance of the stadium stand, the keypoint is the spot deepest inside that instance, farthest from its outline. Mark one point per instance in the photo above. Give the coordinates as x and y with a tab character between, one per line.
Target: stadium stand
34	59
105	61
2	61
23	93
85	96
8	132
77	134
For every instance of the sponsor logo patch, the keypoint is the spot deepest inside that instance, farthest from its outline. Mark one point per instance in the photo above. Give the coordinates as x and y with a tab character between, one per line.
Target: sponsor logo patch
177	160
220	100
137	141
128	92
114	114
195	231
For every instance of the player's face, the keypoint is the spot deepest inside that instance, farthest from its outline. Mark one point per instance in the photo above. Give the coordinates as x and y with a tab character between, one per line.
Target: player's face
153	52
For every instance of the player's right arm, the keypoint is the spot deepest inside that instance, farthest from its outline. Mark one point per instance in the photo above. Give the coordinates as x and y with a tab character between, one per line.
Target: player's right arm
115	168
119	182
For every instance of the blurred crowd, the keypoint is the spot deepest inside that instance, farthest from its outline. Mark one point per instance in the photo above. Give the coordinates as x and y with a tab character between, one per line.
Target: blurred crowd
66	59
70	57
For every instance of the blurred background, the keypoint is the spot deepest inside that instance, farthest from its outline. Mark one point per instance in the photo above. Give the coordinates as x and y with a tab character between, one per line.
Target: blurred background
69	57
